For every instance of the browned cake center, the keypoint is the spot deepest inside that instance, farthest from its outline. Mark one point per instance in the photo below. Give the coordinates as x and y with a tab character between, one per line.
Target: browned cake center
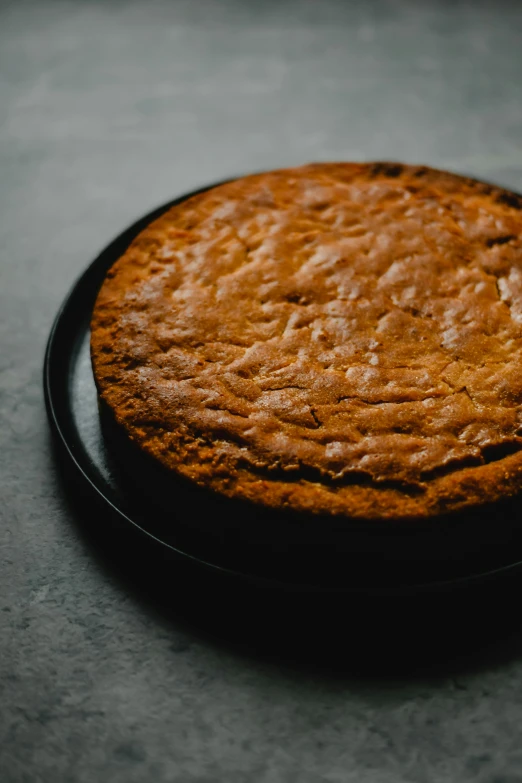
332	326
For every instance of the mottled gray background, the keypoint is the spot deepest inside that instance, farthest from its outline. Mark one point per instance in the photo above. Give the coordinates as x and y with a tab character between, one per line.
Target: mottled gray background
107	109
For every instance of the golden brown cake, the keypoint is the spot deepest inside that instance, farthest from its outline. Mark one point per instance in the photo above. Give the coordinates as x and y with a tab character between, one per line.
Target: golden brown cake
341	339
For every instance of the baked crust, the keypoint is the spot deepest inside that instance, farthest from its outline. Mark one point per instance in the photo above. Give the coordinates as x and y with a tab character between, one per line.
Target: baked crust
337	338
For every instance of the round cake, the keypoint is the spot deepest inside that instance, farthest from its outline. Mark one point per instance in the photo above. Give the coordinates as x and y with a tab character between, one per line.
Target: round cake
339	338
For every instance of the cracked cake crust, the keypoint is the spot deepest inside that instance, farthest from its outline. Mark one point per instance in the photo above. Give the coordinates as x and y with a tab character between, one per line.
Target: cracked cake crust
337	338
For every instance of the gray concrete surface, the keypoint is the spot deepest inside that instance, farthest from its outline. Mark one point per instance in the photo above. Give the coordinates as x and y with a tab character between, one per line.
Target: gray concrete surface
106	110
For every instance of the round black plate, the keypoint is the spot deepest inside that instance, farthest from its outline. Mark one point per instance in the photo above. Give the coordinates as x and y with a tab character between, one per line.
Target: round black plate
381	566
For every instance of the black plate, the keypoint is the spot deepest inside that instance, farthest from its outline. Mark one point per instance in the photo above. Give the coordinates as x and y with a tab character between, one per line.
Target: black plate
372	560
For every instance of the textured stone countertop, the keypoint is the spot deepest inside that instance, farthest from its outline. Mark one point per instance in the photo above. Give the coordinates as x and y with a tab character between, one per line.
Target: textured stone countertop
111	670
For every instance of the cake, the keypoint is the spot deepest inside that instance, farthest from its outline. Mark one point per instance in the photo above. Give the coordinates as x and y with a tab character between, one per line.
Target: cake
339	339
